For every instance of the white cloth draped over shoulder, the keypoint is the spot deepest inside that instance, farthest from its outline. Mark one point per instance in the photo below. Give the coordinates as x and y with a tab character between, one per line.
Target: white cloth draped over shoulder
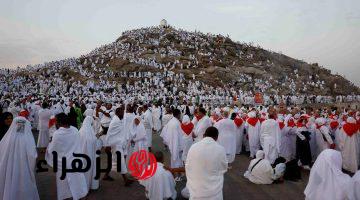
200	127
128	126
160	186
156	113
270	139
65	142
173	138
259	170
227	137
149	125
89	146
326	180
354	187
17	162
118	140
44	137
205	166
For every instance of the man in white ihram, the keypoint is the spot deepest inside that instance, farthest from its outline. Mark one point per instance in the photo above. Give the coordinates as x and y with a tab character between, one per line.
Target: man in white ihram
149	125
66	141
202	123
205	166
172	136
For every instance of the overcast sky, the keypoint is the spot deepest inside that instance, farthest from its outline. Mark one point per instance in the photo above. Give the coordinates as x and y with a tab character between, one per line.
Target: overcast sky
322	31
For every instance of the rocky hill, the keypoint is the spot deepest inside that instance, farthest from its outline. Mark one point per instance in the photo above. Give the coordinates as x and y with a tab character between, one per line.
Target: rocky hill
215	60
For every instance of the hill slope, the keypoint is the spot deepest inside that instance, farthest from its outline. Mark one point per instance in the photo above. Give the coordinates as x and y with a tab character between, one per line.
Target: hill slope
212	59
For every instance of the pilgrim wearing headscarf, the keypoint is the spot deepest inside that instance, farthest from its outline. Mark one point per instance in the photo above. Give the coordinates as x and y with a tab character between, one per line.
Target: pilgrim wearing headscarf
139	135
284	139
89	145
187	127
348	145
323	138
326	180
312	128
17	162
290	148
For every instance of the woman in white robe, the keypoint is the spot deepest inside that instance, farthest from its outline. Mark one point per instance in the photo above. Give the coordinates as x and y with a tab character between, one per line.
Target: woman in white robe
326	180
139	139
17	162
89	146
323	138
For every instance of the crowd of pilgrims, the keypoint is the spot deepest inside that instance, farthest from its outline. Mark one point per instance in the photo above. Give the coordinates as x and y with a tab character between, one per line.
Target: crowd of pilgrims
99	81
280	140
24	90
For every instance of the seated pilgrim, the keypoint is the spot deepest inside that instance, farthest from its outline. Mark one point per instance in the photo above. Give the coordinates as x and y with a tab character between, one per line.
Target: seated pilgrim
162	184
260	170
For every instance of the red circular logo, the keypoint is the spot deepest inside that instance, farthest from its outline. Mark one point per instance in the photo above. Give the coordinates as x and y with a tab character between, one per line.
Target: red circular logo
142	164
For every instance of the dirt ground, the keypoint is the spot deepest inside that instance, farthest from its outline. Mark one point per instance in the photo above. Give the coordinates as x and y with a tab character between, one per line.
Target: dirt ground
235	185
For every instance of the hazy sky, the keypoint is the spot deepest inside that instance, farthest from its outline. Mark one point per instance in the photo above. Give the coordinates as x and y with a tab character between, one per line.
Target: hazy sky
322	31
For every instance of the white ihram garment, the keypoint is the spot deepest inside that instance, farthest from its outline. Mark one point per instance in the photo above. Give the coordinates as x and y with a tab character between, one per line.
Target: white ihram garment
205	166
65	142
17	162
326	180
44	137
227	137
89	146
160	186
270	139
